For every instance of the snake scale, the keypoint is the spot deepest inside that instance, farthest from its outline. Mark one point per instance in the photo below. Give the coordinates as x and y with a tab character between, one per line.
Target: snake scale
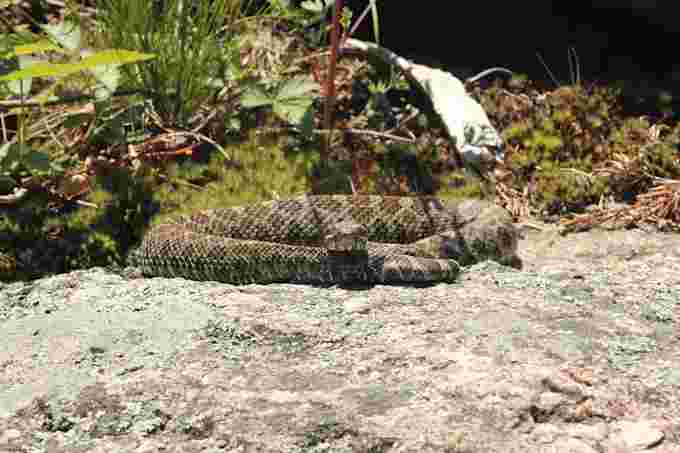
325	239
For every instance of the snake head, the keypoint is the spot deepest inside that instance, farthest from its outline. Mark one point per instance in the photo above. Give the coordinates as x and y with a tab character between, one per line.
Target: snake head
445	245
346	237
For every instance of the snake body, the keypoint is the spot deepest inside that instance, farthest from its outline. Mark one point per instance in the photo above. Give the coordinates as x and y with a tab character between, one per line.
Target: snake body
318	239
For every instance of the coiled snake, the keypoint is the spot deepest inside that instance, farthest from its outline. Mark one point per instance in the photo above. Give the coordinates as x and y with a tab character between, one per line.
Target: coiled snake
325	239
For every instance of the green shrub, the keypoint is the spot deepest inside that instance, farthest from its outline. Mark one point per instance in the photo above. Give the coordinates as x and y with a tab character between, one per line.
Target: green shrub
568	145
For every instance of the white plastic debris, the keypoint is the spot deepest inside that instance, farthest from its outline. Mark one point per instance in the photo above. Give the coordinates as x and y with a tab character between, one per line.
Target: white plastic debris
466	122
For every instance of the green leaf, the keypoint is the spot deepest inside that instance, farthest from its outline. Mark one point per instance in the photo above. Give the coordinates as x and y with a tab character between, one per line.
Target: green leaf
20	87
255	96
56	167
114	56
104	66
292	110
14	154
37	47
5	151
107	57
294	98
108	77
42	70
290	100
11	155
66	33
296	88
314	6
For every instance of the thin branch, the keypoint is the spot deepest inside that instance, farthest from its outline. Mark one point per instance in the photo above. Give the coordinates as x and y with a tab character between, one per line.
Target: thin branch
370	133
330	81
14	197
198	137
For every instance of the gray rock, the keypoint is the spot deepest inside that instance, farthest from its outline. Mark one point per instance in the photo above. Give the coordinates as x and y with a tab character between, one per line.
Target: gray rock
92	361
639	435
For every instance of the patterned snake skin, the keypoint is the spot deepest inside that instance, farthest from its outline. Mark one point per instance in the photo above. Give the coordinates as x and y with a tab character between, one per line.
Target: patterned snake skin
320	239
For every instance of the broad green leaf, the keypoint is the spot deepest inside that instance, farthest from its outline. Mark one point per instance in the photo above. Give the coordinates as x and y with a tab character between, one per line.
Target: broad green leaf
298	87
314	6
215	82
15	154
114	56
64	69
18	87
294	98
255	96
293	109
37	47
290	100
42	70
66	33
25	62
104	66
4	150
11	154
56	167
108	77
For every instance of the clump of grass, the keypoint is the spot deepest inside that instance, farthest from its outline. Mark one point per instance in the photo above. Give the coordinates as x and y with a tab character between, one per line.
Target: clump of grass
192	41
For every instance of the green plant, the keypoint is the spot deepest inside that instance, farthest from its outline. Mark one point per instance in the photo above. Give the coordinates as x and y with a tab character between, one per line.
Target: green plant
98	69
558	141
341	18
194	43
48	239
290	99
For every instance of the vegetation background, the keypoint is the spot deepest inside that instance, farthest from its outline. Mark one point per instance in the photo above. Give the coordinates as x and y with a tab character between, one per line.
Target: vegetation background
112	117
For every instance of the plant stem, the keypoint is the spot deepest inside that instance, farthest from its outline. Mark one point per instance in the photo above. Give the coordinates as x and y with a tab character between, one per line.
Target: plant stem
330	80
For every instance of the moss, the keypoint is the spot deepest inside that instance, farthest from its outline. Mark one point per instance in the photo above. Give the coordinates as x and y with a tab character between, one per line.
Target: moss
563	144
253	171
458	186
45	239
96	249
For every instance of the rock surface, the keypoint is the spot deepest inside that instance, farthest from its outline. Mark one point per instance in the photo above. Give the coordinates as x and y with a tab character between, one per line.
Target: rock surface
579	351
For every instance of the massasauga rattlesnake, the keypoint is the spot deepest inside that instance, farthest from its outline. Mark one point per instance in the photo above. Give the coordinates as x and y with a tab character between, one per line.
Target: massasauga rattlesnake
330	239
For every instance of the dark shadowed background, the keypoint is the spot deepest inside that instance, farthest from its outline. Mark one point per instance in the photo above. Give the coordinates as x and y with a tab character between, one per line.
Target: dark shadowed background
627	40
